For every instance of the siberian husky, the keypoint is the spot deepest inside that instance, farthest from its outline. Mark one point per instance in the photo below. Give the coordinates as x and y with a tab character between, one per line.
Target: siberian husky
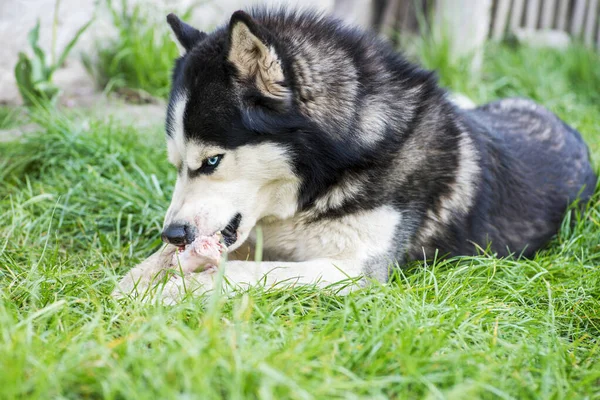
349	158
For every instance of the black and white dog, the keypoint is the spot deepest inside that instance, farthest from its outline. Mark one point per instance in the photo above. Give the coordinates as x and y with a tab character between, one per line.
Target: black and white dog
348	157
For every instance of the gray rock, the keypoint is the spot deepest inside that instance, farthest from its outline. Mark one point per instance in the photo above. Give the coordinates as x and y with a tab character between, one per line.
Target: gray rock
543	38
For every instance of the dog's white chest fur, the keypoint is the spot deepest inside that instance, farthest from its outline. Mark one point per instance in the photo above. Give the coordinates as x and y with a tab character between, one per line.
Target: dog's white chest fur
357	236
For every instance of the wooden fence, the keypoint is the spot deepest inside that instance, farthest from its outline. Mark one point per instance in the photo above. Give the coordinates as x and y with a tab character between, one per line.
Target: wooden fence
579	18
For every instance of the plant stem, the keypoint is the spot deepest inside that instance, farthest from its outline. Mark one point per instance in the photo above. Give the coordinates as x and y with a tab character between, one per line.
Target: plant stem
54	26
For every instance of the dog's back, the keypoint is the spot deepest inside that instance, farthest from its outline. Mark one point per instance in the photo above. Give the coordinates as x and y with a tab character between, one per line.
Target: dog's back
534	166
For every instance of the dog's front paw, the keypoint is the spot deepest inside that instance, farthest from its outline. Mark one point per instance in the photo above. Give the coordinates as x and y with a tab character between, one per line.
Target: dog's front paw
180	286
145	275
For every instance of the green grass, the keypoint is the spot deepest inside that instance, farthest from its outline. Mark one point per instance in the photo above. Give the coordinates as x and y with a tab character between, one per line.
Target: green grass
82	201
10	117
123	64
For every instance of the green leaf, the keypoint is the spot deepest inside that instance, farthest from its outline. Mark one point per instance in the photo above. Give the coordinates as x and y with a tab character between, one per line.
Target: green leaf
34	35
40	55
47	90
70	45
23	76
23	71
88	64
33	38
38	67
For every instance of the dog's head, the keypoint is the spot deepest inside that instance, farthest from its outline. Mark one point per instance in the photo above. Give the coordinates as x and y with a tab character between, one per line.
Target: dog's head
229	109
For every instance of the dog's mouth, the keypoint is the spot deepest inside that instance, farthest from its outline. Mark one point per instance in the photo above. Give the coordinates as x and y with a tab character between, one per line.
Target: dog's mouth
230	232
227	235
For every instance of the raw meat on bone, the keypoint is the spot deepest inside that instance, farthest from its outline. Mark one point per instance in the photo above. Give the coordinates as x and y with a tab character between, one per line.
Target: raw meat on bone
203	253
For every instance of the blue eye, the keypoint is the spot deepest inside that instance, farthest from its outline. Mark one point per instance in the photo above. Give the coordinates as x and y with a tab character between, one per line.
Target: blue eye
213	161
209	165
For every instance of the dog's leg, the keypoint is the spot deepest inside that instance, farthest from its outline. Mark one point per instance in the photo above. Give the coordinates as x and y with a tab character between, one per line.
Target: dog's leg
139	279
243	274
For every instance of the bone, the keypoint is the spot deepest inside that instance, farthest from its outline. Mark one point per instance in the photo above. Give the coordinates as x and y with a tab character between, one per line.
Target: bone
203	253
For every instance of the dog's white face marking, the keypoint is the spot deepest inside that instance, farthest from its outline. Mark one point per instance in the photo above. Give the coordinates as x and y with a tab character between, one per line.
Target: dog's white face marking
256	181
176	138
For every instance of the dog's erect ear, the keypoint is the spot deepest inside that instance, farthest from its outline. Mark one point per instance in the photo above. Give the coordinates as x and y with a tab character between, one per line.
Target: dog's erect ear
187	36
254	58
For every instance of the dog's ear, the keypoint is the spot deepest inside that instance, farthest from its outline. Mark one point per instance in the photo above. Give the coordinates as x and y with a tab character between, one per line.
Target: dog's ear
255	58
187	35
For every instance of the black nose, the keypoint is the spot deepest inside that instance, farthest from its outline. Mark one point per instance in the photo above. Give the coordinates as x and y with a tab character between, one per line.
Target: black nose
178	234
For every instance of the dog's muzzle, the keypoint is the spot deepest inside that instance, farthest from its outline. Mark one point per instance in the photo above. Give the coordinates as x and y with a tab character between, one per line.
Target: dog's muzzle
181	234
230	231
